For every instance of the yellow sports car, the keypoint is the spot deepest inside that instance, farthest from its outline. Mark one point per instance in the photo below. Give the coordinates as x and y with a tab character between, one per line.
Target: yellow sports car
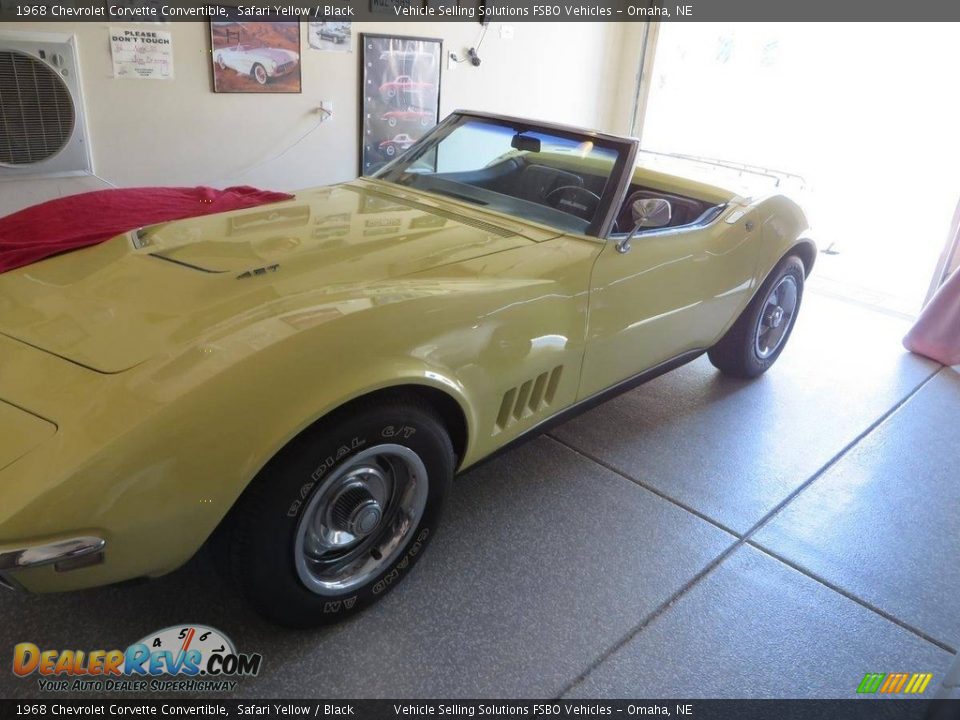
303	398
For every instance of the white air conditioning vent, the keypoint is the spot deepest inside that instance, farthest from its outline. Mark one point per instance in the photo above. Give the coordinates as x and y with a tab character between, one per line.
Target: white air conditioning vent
42	128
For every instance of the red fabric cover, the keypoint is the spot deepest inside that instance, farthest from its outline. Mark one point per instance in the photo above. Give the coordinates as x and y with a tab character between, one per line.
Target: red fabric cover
77	221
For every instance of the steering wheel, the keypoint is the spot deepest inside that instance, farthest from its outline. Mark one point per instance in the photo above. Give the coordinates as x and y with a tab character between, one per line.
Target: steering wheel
573	199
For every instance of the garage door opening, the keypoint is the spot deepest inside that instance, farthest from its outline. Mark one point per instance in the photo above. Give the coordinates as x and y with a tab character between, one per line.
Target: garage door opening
865	119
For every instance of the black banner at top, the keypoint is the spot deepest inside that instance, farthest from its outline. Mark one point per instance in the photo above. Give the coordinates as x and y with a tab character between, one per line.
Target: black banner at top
478	10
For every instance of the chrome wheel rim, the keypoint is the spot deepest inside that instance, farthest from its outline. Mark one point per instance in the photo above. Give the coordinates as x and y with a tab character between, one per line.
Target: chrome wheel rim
360	518
779	311
261	75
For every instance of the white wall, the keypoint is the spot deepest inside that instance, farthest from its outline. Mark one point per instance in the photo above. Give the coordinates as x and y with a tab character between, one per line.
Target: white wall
178	132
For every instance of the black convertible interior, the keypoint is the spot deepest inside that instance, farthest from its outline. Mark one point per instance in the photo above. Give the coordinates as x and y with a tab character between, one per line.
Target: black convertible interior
536	188
520	177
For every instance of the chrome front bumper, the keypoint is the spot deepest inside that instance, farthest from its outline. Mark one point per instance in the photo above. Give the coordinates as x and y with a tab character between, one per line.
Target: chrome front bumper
64	555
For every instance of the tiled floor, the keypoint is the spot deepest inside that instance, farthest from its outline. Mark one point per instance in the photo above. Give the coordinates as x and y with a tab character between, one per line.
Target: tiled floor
696	537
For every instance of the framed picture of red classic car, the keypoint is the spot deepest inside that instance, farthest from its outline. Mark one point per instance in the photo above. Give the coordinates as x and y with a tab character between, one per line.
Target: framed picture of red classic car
399	95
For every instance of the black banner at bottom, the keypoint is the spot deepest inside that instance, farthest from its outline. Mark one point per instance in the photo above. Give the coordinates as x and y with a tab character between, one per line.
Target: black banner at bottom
855	709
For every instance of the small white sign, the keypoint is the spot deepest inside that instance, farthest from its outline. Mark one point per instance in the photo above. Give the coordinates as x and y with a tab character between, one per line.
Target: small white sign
142	54
330	36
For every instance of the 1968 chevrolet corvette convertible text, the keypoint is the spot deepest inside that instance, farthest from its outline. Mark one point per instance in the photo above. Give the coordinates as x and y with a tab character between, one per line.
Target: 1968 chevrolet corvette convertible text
302	398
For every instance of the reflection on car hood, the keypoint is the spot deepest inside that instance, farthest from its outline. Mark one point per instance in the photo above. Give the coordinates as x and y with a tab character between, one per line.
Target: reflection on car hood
111	306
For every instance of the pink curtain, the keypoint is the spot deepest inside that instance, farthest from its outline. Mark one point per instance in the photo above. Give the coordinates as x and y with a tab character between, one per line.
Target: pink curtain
936	334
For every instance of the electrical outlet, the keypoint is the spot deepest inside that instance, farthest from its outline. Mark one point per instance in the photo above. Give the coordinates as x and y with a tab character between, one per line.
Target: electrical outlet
452	61
325	110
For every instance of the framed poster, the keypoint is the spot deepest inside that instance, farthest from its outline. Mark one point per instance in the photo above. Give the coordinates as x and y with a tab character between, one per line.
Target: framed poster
255	57
399	95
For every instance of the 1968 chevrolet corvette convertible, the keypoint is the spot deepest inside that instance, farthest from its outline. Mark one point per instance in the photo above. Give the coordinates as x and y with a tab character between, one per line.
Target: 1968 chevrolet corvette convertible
302	398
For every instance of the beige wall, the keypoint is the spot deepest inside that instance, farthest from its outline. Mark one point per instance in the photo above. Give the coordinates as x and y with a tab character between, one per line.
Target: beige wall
180	133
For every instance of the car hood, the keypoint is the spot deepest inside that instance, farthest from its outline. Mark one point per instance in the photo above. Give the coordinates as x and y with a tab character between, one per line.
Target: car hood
114	305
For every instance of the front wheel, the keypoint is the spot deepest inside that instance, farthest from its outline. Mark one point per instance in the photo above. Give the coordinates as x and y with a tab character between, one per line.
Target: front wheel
757	338
259	74
341	514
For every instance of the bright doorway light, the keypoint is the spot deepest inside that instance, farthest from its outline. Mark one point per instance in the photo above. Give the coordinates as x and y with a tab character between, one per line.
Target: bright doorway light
866	113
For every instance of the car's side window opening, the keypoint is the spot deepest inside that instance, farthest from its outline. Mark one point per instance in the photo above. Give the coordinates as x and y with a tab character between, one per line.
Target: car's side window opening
684	210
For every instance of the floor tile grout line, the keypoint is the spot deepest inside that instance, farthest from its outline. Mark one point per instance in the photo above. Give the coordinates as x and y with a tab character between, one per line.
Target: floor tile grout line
850	596
740	542
838	456
651	617
632	480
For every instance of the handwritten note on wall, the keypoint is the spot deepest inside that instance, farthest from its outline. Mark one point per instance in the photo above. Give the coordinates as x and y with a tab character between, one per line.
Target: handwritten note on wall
142	54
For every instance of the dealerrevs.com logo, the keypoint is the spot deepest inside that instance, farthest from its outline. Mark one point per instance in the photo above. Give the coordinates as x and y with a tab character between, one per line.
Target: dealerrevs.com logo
185	658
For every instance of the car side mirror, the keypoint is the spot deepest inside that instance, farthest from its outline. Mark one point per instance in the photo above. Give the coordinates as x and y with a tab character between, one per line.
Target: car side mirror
646	212
651	212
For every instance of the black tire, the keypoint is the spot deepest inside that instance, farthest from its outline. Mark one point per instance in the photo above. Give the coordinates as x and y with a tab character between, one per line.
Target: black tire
256	544
736	354
257	76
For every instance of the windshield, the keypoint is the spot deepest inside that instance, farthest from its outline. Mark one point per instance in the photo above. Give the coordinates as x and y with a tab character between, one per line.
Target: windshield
562	179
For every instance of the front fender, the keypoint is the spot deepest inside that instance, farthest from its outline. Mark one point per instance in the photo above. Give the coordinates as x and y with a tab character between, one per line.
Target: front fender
785	229
152	459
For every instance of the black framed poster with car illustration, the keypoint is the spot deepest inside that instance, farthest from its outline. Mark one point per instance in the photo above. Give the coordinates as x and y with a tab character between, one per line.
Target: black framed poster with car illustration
399	95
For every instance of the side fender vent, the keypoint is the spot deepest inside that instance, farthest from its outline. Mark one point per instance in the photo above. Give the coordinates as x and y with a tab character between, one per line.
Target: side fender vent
529	399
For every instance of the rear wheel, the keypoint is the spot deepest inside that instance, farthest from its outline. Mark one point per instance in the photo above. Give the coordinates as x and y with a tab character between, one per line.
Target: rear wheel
340	515
757	338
